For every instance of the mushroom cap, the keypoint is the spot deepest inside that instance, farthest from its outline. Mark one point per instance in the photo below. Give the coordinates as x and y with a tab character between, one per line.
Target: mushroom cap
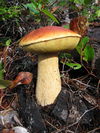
50	39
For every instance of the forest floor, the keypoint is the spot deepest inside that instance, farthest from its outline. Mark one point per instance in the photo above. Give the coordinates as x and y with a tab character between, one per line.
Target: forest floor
77	108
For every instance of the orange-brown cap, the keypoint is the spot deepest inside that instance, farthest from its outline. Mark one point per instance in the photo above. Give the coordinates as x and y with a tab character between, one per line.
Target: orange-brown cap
50	39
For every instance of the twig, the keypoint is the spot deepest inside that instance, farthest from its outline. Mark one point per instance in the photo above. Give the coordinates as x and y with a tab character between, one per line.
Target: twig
92	131
83	83
52	125
83	116
98	87
67	131
77	122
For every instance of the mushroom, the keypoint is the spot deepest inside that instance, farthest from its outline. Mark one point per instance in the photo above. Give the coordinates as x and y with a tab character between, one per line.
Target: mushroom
47	42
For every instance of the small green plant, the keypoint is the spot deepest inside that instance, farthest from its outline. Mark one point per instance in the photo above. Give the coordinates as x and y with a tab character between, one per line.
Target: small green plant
8	42
87	8
9	12
85	50
4	83
38	7
1	70
4	43
74	66
70	62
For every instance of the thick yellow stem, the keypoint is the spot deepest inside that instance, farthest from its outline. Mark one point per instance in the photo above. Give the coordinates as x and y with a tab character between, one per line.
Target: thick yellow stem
48	81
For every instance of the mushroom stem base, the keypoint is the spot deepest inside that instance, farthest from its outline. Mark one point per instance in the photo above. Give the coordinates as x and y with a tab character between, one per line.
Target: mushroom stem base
48	81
